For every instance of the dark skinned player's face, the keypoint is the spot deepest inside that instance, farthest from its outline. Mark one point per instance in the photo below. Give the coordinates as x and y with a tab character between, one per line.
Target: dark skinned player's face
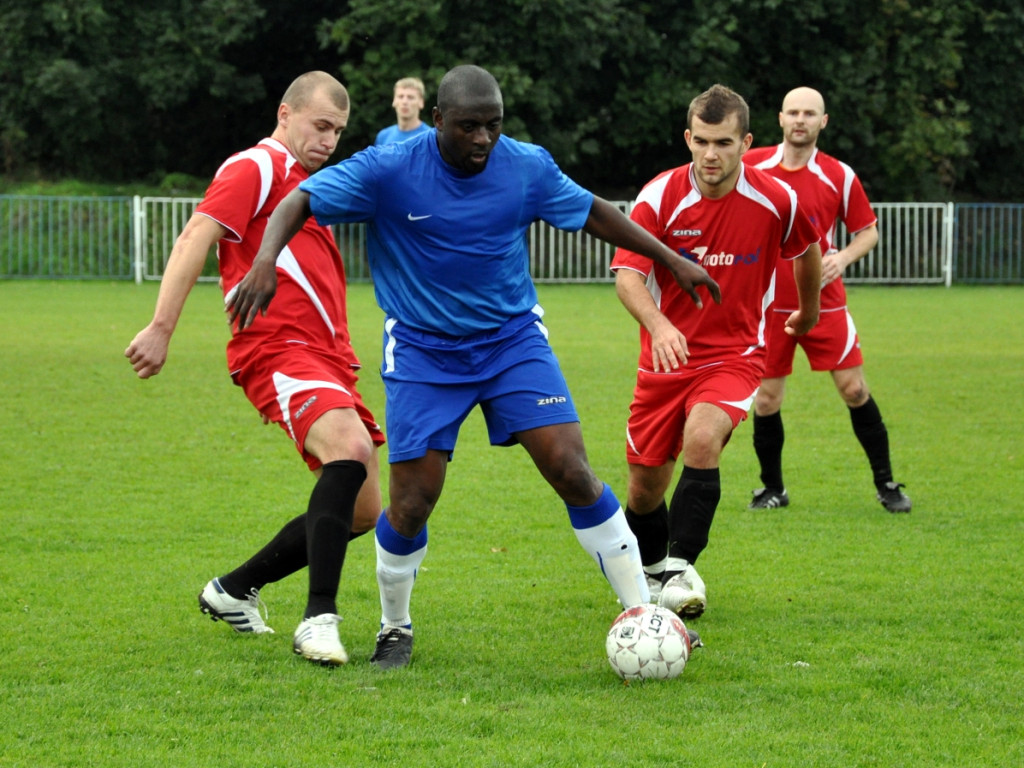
467	132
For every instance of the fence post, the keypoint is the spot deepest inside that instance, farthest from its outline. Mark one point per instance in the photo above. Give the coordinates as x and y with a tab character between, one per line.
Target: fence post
947	256
138	228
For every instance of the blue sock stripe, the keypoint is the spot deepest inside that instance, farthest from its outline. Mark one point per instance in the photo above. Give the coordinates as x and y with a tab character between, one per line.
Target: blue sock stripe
394	542
598	512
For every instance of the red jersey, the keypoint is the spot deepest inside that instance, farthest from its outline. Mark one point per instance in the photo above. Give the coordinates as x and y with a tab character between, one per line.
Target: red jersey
739	239
828	190
309	307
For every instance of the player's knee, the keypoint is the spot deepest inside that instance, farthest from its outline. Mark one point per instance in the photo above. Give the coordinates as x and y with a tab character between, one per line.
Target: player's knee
643	498
407	513
702	448
854	392
767	401
352	445
574	480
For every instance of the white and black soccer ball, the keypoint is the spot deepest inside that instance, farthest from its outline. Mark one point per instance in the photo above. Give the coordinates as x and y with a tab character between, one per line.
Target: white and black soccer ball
648	642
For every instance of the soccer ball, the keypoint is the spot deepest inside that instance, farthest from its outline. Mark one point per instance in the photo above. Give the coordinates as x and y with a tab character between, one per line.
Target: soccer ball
647	642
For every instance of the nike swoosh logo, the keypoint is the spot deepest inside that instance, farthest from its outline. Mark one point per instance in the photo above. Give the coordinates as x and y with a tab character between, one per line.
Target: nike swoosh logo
418	218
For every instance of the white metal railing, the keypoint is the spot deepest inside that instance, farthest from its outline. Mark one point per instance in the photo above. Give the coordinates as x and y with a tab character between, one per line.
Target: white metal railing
131	238
915	245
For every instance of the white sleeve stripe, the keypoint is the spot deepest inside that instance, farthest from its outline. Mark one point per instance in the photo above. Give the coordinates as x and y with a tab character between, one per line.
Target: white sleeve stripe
264	163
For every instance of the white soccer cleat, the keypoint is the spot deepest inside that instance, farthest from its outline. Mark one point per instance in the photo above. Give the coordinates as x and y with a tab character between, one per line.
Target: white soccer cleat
246	615
684	593
316	639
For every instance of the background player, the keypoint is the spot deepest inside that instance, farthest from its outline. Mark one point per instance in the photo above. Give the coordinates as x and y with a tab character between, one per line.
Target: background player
408	103
295	364
828	190
698	371
447	216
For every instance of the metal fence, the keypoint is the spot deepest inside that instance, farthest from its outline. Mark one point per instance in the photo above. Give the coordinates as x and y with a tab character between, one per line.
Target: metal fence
66	237
990	239
915	245
130	238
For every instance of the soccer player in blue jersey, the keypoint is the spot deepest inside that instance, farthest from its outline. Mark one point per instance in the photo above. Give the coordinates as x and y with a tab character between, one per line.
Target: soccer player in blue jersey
447	213
408	102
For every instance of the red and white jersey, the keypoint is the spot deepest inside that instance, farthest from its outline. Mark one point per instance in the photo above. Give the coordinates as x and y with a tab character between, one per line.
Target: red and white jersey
741	239
309	306
828	190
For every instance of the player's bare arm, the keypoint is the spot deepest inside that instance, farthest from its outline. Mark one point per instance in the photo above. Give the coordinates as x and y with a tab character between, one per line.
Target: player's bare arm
148	350
253	294
668	344
611	225
835	263
807	273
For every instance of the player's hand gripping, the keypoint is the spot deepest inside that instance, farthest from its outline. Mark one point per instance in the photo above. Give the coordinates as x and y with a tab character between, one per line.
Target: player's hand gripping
252	295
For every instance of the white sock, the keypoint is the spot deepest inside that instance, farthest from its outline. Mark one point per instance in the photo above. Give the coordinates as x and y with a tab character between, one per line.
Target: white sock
603	532
398	560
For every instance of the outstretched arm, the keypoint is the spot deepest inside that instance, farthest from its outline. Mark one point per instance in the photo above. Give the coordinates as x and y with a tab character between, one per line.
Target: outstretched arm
611	225
257	288
148	350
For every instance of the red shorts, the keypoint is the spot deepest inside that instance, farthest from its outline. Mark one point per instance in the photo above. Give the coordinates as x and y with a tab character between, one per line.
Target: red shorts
831	345
662	401
295	388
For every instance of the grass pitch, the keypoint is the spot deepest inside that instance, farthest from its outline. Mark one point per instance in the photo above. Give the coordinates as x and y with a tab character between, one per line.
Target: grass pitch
837	634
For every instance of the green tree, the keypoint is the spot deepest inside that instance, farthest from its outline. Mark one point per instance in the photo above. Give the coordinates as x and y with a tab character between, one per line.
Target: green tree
605	85
926	98
993	84
550	56
94	88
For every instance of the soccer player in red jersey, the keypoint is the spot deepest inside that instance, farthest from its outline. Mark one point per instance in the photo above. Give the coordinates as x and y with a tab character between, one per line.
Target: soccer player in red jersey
829	191
699	371
295	363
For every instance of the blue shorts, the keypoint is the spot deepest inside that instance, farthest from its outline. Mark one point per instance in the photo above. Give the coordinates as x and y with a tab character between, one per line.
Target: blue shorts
432	382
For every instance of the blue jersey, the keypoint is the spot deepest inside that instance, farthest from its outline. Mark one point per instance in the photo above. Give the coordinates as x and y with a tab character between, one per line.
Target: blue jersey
393	133
447	249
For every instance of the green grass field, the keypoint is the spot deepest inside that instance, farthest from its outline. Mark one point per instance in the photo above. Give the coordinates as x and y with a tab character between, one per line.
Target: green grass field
837	634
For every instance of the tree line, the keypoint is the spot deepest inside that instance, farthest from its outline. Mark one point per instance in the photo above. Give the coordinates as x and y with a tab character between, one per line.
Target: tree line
925	97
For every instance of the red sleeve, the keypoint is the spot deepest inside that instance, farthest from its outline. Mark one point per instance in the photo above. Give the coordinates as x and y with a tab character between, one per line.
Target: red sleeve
233	197
802	235
858	213
645	216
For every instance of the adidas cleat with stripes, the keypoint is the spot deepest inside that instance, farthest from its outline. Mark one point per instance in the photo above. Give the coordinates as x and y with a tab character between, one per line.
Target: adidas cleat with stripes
247	615
316	639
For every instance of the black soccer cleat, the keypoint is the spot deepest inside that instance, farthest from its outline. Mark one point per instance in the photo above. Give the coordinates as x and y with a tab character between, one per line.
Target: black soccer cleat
767	498
892	498
394	648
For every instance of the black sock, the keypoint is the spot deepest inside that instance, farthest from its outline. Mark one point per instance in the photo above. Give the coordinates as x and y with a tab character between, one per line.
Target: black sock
769	437
328	526
874	438
651	531
282	556
691	512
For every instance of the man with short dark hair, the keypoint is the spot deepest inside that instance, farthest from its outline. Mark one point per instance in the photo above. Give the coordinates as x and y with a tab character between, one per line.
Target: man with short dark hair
698	371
